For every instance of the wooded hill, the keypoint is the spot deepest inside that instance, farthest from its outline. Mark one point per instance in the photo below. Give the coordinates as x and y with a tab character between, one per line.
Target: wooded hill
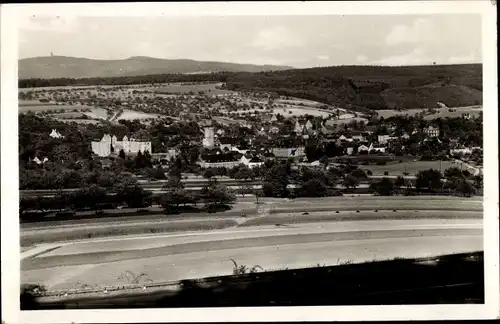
373	87
361	88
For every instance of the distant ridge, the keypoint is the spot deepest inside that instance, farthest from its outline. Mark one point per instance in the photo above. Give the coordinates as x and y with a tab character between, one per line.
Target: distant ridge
49	67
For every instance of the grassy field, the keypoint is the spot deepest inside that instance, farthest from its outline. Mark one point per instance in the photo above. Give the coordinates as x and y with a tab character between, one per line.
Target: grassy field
297	218
379	203
280	211
68	115
299	111
209	89
413	167
442	112
48	107
298	101
345	121
30	238
80	121
131	115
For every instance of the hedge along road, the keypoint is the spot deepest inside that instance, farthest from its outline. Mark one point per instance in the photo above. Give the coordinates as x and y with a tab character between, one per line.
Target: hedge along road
270	206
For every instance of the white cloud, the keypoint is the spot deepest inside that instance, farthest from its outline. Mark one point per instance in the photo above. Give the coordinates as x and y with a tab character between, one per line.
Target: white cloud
471	58
59	24
275	38
323	57
416	57
361	58
419	31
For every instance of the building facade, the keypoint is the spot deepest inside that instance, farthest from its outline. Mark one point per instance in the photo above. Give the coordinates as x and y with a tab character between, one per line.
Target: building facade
431	131
209	139
110	145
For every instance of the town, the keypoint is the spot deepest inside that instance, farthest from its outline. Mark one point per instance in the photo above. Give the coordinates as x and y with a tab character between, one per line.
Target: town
176	160
250	160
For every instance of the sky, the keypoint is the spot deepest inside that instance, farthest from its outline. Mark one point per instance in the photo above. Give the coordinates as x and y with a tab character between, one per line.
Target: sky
298	41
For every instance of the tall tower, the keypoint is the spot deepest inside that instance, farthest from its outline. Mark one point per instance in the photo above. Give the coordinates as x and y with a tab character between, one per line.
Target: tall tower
208	140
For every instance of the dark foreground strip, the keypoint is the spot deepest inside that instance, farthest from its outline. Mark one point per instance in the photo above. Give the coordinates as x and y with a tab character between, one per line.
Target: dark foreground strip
450	279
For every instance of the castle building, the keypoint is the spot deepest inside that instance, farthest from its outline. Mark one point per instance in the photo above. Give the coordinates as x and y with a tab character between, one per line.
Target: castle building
109	145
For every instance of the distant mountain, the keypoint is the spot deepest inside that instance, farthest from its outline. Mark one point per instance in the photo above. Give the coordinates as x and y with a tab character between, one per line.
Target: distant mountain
49	67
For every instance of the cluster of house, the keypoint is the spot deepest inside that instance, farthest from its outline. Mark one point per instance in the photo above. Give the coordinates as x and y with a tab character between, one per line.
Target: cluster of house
216	158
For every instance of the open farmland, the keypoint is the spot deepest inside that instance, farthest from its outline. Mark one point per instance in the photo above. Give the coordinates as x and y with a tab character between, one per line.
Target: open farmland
456	112
27	107
413	167
298	218
441	112
345	121
208	89
131	115
298	101
380	203
300	111
81	121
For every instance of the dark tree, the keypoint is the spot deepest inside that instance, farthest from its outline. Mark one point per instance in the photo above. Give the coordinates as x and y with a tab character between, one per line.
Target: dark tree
400	182
350	182
465	188
430	179
216	195
133	195
208	173
313	188
384	187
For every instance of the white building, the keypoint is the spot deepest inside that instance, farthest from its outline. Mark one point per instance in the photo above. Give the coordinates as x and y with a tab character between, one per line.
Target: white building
274	130
55	134
362	148
359	138
38	161
110	144
298	127
308	125
376	148
463	150
383	139
208	140
431	131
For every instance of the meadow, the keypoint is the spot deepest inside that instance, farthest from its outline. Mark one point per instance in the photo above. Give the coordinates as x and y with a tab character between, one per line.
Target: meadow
29	238
441	112
412	167
206	88
345	121
290	111
131	115
29	105
363	215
